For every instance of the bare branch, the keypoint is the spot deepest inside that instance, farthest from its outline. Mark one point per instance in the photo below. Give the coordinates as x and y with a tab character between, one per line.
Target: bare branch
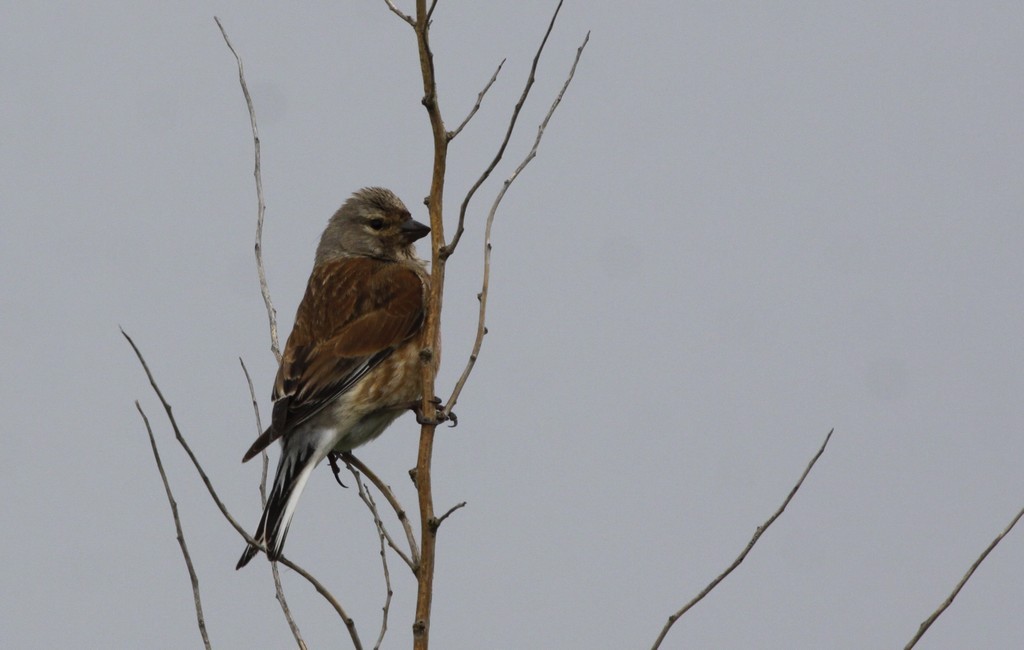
349	623
413	561
271	316
430	12
431	333
750	545
963	581
447	251
479	100
322	590
440	520
177	526
407	18
261	204
367	498
481	329
278	589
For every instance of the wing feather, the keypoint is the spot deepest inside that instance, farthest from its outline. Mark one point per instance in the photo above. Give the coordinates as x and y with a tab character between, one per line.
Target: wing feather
355	312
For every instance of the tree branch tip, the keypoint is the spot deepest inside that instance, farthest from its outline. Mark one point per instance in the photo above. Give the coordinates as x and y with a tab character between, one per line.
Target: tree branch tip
746	551
437	521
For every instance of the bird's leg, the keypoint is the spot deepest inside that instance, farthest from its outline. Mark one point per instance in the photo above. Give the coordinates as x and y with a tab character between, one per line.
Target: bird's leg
332	458
439	415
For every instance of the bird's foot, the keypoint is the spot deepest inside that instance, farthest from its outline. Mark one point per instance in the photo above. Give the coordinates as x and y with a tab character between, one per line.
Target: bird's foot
332	458
439	416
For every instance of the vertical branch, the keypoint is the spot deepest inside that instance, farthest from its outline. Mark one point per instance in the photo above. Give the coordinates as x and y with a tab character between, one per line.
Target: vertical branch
261	205
429	354
177	526
429	412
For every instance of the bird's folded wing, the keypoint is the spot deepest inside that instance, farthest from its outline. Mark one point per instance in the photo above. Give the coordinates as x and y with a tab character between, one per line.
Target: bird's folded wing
355	312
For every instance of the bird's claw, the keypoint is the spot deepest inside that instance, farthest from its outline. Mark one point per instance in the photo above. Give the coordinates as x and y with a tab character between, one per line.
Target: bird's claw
439	415
332	458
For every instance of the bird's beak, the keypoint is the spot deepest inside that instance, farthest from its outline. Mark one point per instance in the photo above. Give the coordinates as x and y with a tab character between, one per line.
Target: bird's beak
414	230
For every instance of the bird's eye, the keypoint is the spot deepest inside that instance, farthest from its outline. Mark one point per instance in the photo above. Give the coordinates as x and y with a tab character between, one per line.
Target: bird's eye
376	224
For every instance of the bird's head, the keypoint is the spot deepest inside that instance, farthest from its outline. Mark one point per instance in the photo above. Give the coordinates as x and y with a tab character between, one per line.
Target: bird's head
373	222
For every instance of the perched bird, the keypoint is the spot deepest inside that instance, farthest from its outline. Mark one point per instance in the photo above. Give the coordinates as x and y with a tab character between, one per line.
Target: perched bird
351	363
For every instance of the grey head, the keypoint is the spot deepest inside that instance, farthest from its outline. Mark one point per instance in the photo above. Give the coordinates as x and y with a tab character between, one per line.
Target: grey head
373	222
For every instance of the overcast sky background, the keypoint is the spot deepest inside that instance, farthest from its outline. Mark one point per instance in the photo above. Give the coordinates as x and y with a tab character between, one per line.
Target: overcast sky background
748	223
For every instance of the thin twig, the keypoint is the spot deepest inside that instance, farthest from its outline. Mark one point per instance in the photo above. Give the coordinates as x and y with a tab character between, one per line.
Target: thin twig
177	526
349	623
278	589
413	559
476	106
753	540
407	18
447	251
440	520
481	329
322	590
261	204
430	12
367	498
271	315
960	585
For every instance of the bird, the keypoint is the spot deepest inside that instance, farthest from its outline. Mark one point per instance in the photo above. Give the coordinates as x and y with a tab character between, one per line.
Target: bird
351	364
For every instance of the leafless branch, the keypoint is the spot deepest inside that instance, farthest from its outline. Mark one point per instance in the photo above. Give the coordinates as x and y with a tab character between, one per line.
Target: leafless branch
440	520
413	559
481	329
349	623
261	204
430	12
434	299
750	545
960	585
271	316
367	498
278	589
447	251
479	100
177	526
406	17
431	336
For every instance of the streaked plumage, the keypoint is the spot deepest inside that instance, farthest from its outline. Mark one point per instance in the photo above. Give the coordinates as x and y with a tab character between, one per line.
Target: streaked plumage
350	366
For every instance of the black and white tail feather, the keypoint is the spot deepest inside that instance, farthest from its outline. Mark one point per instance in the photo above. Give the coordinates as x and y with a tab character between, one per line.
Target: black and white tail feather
293	471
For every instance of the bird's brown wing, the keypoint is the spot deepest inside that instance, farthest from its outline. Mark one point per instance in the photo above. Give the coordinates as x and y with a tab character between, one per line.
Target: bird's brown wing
355	312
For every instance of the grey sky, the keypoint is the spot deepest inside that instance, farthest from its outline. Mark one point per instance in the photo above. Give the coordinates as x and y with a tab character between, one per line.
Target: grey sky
748	223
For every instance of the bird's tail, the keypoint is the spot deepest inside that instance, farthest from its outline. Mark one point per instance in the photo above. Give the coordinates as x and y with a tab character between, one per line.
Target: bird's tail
293	471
